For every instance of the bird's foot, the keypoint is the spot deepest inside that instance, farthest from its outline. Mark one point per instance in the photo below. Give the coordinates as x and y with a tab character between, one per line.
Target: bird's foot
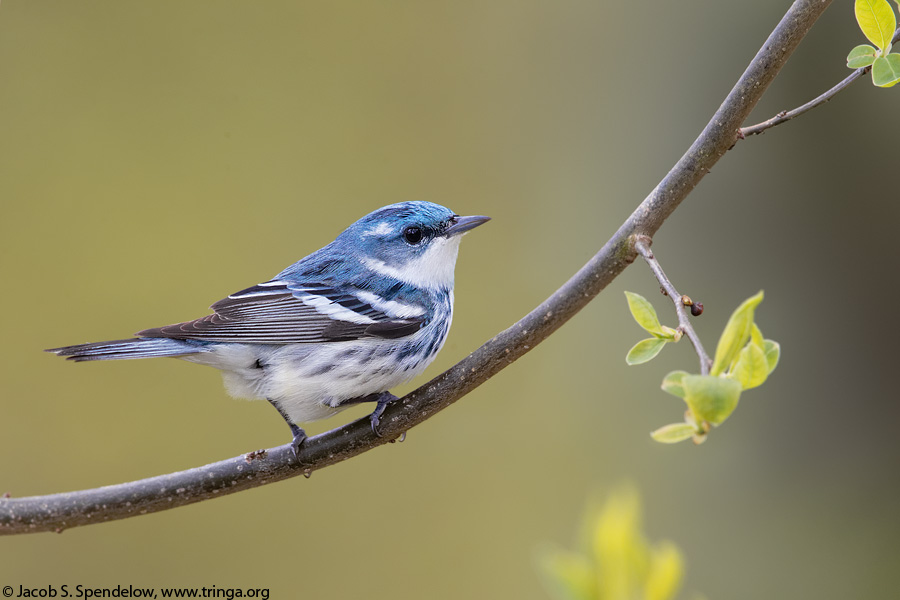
297	441
382	400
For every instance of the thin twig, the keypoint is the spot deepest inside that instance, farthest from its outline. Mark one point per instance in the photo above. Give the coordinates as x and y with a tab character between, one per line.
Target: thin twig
787	115
642	245
61	511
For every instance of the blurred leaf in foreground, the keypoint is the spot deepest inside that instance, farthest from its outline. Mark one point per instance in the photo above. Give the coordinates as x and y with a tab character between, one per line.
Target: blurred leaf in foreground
615	562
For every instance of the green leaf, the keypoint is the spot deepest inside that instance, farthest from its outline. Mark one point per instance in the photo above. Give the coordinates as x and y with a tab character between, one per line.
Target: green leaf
772	350
644	350
672	383
886	70
674	433
861	56
736	334
877	21
756	336
751	368
711	398
643	312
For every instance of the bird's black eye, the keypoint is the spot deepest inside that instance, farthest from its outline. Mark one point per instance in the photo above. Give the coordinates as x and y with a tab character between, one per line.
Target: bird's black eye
413	235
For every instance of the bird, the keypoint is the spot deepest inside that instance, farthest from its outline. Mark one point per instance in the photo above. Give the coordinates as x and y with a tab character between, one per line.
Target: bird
340	327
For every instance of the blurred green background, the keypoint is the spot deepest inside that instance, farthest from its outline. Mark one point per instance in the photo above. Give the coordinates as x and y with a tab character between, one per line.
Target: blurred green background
157	156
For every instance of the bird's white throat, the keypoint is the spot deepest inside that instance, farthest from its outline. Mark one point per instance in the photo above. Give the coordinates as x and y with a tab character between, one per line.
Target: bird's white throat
433	269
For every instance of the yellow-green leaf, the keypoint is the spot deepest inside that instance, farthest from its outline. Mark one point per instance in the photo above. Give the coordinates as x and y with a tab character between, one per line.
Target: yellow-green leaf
643	312
674	433
861	56
877	21
644	351
666	572
756	336
886	70
772	350
619	548
672	383
751	368
736	334
711	398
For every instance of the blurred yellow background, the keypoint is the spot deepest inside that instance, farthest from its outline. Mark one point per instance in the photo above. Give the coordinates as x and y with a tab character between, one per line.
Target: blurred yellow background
157	156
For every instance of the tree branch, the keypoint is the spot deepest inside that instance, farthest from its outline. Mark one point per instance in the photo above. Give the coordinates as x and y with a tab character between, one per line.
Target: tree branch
787	115
642	245
61	511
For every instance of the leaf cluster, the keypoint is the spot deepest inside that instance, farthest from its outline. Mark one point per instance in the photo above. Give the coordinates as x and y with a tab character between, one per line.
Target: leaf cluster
877	20
645	315
743	360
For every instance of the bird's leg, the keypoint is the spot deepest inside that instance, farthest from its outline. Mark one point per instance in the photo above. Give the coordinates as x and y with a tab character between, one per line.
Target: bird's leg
296	431
382	400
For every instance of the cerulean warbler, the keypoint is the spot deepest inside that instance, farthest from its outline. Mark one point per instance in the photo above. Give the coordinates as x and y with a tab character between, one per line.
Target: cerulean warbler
367	312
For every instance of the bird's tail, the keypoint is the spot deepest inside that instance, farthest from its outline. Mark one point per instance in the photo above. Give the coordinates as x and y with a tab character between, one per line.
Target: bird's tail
125	349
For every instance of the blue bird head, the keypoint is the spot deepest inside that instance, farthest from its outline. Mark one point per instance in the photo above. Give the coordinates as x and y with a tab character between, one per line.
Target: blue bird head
414	242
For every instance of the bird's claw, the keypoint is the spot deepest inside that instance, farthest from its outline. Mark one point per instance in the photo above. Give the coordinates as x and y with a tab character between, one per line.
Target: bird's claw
375	421
384	399
297	441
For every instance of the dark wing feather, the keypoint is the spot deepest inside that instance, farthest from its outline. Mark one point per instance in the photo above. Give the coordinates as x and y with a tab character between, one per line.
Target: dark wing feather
344	330
274	313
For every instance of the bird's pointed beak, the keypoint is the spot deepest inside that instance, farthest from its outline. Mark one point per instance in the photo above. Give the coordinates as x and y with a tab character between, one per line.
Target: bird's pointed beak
460	225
